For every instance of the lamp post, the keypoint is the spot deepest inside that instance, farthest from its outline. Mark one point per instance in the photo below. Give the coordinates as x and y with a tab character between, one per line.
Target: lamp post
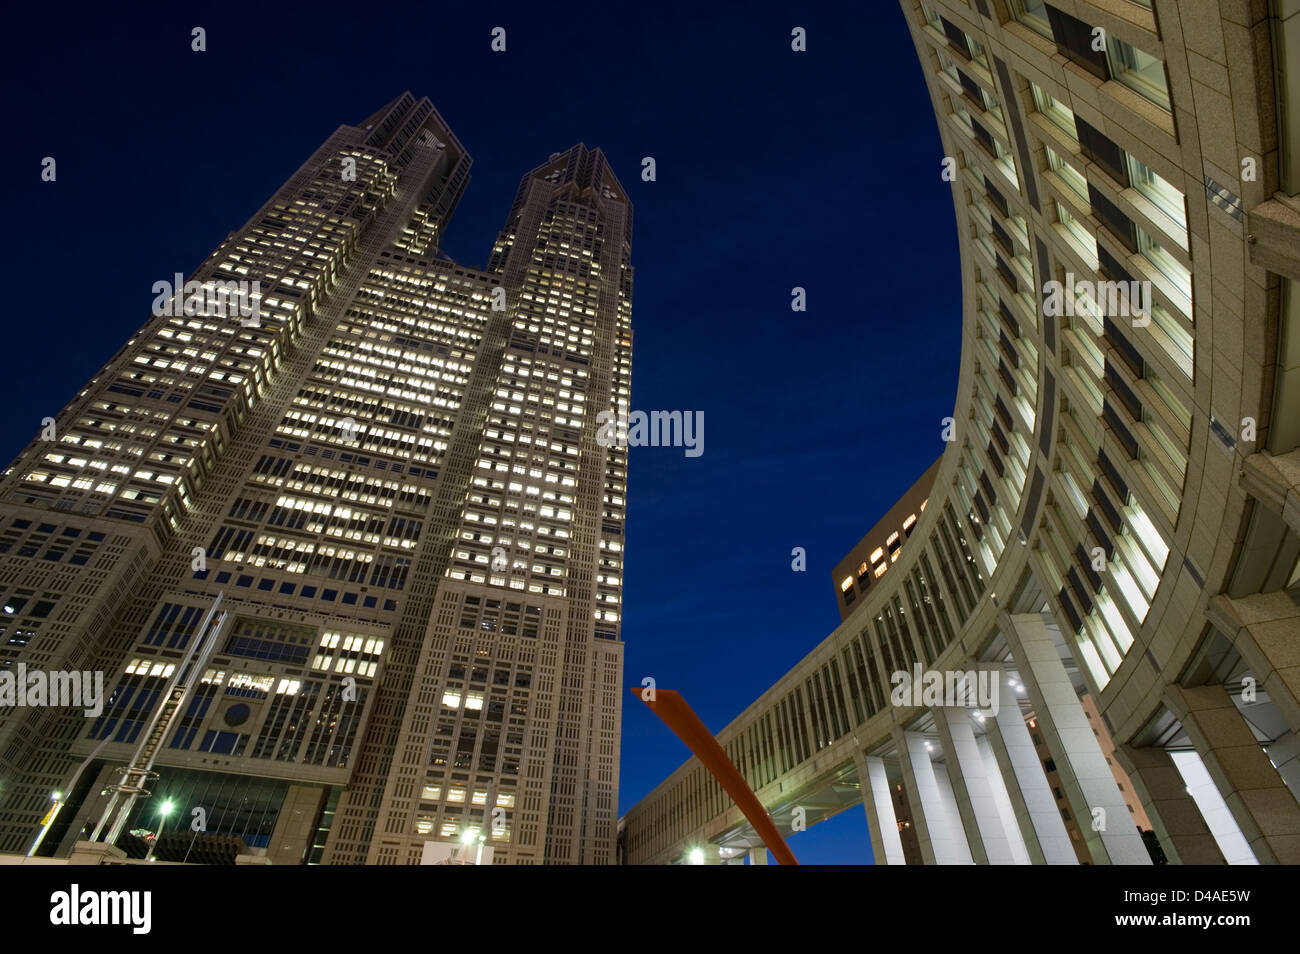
164	810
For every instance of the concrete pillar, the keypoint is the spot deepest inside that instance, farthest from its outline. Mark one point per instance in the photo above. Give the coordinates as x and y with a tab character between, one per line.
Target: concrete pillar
1002	799
1274	227
976	806
1043	831
1086	779
295	825
1174	814
758	855
1203	790
878	803
1263	807
1263	629
935	817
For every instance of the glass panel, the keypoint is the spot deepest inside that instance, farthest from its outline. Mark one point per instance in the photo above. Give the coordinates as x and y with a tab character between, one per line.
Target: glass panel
1072	176
1033	14
1055	110
1166	198
1138	71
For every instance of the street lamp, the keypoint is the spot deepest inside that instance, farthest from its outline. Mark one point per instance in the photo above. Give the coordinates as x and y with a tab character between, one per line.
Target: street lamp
164	810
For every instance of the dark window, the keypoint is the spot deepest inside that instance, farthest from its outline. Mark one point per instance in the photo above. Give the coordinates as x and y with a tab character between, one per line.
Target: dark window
1110	267
1121	390
1002	238
1123	348
956	38
1007	274
1074	39
996	198
1102	151
1113	218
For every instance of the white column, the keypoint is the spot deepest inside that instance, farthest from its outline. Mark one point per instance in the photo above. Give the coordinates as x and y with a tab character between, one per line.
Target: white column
1002	801
1040	819
1086	778
758	855
974	796
886	845
934	806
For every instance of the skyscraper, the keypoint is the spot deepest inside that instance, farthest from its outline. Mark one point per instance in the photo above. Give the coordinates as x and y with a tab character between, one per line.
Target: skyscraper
388	464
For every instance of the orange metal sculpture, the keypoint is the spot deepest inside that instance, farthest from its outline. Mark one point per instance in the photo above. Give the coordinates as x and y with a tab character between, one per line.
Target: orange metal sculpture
681	718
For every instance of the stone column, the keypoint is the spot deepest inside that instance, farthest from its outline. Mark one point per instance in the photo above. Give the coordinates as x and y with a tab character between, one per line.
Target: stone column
1263	807
1174	815
1263	629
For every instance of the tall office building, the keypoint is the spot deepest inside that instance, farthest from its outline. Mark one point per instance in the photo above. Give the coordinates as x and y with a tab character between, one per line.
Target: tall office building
390	469
1112	533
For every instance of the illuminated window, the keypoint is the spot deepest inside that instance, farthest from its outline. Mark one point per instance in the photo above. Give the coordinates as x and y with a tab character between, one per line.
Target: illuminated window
1138	71
1033	14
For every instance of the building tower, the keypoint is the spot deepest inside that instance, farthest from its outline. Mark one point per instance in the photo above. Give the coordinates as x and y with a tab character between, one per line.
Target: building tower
1112	532
390	470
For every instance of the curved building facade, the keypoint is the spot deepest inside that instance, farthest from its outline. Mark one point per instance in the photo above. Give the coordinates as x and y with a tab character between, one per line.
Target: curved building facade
1109	549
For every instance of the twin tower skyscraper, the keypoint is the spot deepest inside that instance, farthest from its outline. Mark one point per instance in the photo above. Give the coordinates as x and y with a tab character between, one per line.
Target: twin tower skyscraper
391	472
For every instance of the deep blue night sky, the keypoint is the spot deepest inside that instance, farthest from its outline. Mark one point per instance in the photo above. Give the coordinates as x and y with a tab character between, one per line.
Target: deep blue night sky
775	169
